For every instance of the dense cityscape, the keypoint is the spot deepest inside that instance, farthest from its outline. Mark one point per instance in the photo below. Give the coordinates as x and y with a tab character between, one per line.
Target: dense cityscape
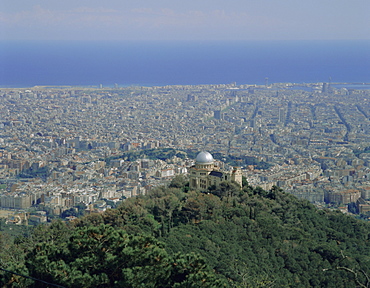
69	147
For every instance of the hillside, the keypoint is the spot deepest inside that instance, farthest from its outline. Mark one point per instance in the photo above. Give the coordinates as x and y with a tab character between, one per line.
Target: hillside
247	238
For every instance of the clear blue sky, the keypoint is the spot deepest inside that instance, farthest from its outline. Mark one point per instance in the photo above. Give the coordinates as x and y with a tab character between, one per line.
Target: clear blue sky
184	19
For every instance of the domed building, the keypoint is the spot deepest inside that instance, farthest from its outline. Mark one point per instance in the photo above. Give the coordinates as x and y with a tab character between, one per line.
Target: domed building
204	160
206	173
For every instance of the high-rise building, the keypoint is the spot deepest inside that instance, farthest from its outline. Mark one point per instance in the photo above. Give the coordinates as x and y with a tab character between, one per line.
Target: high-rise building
281	115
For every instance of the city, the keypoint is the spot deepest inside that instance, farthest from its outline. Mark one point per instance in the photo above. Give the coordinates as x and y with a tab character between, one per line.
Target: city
61	147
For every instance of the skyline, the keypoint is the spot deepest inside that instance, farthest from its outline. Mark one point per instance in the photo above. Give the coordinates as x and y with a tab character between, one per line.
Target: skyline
190	21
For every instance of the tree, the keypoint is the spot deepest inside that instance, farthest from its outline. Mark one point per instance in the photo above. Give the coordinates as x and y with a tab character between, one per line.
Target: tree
225	189
244	181
103	256
69	212
81	209
180	181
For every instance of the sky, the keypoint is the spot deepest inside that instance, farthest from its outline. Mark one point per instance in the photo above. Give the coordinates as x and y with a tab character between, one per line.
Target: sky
184	20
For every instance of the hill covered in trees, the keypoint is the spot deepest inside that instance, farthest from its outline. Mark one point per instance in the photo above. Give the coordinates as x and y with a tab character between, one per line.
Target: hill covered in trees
172	237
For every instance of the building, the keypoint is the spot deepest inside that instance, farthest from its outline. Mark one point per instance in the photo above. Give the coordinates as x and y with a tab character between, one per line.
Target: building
18	200
206	173
344	197
362	206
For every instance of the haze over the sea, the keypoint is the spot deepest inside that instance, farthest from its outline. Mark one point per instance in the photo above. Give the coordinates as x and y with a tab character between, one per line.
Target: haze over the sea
149	63
163	42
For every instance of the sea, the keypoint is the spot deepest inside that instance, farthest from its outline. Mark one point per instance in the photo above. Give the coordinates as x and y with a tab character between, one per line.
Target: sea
159	63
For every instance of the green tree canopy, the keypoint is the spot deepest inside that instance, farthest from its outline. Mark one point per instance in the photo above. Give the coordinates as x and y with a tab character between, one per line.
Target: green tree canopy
103	256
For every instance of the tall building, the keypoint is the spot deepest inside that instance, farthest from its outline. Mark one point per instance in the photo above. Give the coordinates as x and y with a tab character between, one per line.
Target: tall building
205	173
282	116
324	88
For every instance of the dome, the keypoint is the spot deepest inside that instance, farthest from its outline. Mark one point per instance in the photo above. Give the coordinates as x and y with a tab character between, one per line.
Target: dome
204	158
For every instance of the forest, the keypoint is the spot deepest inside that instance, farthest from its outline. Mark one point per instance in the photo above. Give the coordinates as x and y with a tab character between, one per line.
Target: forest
226	236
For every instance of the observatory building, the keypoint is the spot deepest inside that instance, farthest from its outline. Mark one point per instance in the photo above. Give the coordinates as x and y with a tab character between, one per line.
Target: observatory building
206	173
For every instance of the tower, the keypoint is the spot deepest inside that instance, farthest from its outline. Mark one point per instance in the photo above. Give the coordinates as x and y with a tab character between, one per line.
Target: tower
236	175
281	115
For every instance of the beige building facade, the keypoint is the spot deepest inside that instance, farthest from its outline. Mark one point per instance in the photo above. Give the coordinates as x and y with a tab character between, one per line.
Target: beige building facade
206	173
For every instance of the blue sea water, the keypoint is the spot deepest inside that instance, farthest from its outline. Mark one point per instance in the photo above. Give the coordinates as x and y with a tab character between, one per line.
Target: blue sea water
27	64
